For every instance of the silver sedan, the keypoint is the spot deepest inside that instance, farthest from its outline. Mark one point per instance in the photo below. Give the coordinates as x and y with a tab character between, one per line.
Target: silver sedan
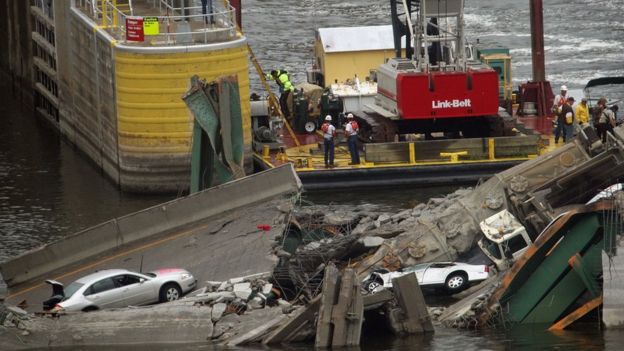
119	288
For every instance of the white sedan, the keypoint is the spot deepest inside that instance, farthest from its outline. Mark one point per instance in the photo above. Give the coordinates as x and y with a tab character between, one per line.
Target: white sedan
451	276
119	288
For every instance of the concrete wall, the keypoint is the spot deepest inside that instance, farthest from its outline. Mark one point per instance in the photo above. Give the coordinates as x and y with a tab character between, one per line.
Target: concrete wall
63	30
90	120
16	48
150	222
613	290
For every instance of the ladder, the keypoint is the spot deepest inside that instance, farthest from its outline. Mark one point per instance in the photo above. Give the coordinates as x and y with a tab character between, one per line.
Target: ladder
273	103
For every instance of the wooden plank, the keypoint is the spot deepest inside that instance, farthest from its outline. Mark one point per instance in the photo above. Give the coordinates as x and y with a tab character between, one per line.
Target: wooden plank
324	327
348	313
299	321
412	302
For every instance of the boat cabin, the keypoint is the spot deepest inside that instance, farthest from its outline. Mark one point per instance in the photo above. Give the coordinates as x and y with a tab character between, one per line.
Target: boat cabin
343	53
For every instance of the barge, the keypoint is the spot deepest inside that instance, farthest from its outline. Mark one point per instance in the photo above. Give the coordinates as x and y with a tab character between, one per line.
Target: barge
113	89
410	131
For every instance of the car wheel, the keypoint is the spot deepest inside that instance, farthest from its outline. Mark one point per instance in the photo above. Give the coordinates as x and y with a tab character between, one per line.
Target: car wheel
456	281
170	292
90	309
371	285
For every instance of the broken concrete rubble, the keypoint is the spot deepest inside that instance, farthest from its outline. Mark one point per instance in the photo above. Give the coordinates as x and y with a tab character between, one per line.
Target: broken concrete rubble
282	305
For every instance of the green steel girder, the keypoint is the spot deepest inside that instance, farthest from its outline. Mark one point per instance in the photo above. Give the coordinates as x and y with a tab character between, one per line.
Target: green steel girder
584	267
568	289
552	269
217	150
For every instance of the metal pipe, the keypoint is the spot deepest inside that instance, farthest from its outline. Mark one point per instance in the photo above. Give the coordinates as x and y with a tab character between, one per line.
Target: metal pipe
537	40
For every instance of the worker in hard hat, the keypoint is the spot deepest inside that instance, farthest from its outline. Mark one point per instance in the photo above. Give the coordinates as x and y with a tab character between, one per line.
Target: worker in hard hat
351	132
329	133
285	88
560	100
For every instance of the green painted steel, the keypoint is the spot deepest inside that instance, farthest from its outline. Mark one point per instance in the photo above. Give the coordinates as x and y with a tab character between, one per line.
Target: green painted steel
533	264
587	269
202	165
231	120
563	272
538	282
567	290
218	142
564	293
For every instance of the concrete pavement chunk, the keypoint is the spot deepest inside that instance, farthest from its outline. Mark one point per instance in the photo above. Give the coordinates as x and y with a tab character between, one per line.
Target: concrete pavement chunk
266	289
217	311
242	290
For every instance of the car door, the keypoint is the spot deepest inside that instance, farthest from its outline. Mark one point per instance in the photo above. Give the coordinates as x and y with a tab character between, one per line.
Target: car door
420	274
418	270
104	294
436	273
136	290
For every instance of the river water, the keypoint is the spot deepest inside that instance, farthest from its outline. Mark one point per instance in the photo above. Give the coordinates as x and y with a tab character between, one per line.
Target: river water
48	189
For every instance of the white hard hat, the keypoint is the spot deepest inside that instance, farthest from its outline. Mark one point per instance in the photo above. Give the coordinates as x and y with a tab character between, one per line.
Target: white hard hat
563	87
328	118
350	115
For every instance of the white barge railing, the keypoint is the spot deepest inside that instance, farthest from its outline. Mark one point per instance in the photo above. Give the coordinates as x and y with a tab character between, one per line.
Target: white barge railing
162	22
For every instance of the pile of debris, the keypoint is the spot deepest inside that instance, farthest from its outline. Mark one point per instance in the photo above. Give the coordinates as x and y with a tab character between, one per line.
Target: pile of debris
314	290
240	294
441	229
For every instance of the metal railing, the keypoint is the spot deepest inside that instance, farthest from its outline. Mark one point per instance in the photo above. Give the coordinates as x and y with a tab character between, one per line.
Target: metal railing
176	25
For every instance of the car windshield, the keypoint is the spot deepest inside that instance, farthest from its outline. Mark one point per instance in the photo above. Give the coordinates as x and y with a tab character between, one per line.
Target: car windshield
492	248
415	268
152	275
71	289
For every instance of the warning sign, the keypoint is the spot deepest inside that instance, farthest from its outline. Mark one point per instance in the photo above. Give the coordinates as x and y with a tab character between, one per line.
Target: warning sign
151	26
134	29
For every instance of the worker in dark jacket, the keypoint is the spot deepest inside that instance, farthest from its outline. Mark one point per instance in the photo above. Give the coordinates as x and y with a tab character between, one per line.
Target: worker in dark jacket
351	132
329	133
568	118
562	128
285	88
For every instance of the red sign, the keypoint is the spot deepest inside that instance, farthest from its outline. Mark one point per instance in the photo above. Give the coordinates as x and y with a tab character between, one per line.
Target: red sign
134	29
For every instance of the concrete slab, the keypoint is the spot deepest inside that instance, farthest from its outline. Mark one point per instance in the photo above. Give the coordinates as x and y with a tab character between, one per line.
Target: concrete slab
170	219
171	323
227	245
613	291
